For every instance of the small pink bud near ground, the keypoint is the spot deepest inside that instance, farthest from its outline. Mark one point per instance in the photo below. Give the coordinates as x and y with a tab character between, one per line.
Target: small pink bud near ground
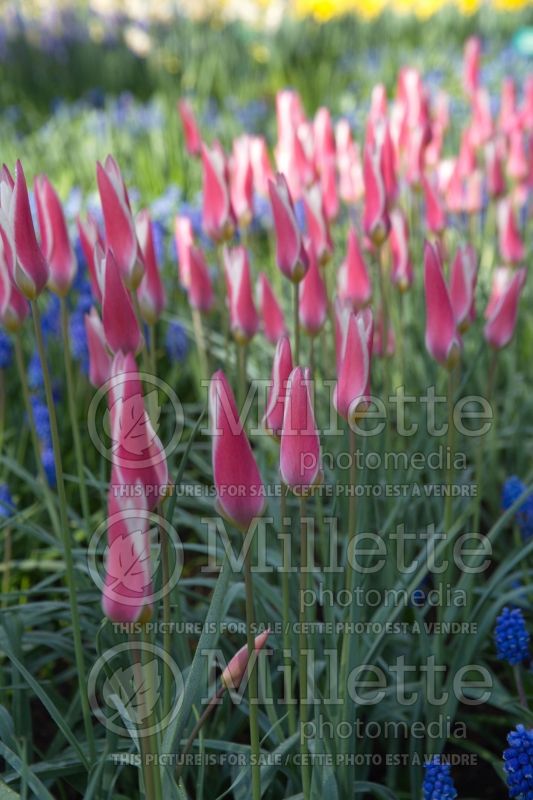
235	671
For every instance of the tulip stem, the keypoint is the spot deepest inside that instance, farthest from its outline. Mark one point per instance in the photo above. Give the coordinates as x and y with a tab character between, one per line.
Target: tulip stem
152	351
287	645
252	678
144	691
78	451
296	324
306	772
522	697
208	710
481	445
241	377
199	336
167	639
64	526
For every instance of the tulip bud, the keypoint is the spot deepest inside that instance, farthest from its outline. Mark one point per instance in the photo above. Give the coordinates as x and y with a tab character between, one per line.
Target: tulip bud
273	321
281	370
55	242
442	340
376	221
151	292
216	210
300	455
99	358
472	57
313	306
201	295
352	391
260	161
30	270
354	285
236	669
494	168
241	181
120	323
193	139
90	236
243	316
503	308
238	484
14	307
463	286
290	253
184	239
512	248
317	226
435	215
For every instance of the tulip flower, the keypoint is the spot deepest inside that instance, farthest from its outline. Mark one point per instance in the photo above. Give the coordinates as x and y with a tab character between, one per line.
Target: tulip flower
201	296
473	201
55	242
317	226
191	132
120	323
482	126
243	315
512	248
118	221
472	57
494	170
238	484
517	160
216	209
354	284
351	186
281	370
376	221
442	340
509	116
300	456
241	182
236	669
352	391
462	287
388	163
90	236
313	310
127	591
14	307
184	239
151	292
137	453
290	253
273	320
324	137
435	215
503	308
99	357
402	268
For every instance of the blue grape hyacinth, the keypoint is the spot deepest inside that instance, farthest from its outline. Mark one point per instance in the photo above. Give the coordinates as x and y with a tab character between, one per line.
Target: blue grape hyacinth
511	491
6	350
438	782
518	763
6	501
176	342
511	636
47	458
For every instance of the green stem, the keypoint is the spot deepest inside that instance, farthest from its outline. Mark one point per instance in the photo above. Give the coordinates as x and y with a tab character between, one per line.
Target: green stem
253	694
522	697
296	324
67	545
71	399
195	731
6	577
287	639
481	445
241	380
152	353
147	742
167	638
199	336
304	707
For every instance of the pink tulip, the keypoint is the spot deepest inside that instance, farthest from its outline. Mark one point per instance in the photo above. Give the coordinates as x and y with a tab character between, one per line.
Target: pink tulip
191	132
118	220
300	456
482	126
273	321
281	370
416	155
317	225
243	315
354	284
99	358
494	170
14	307
435	215
509	117
216	208
240	491
442	340
501	322
290	253
455	191
184	239
463	286
351	186
120	323
388	164
127	591
261	167
328	187
512	248
90	236
526	111
55	242
241	181
324	137
151	292
473	201
376	221
402	267
352	391
234	673
517	161
137	453
472	58
313	297
201	296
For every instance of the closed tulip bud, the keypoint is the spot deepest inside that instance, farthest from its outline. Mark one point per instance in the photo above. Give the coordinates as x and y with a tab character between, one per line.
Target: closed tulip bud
317	226
191	132
494	170
313	307
99	357
30	270
127	592
241	181
509	117
463	287
300	455
352	391
435	214
273	320
238	484
236	670
216	208
503	307
376	223
328	187
351	186
90	236
184	239
290	253
481	127
324	137
512	248
402	267
201	296
120	323
55	242
517	160
354	286
151	292
473	202
471	64
244	321
261	167
118	221
388	163
14	307
281	370
442	340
